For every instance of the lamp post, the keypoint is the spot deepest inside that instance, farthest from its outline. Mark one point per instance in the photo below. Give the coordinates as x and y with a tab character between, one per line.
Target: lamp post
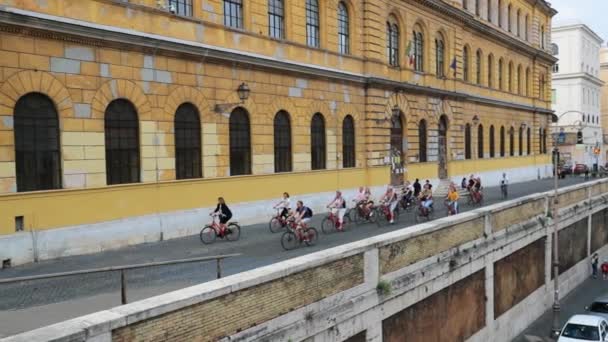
242	91
556	328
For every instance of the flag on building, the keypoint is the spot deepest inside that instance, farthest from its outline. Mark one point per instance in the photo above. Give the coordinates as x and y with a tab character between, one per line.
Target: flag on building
410	53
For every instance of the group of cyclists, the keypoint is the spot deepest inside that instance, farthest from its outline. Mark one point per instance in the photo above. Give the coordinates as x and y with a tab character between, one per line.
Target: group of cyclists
412	193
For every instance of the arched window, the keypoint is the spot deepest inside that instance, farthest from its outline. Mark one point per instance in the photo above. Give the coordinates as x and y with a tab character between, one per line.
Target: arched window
422	141
480	141
509	13
492	142
465	4
317	142
418	50
233	13
500	13
37	151
392	42
528	82
312	23
542	36
521	141
467	141
439	57
528	142
500	73
526	27
187	142
478	67
348	142
490	70
282	142
465	64
502	141
510	77
276	19
240	143
122	143
544	141
541	87
490	10
519	79
343	29
518	23
477	8
511	141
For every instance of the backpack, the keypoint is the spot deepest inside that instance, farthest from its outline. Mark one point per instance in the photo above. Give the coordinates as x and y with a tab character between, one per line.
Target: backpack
308	212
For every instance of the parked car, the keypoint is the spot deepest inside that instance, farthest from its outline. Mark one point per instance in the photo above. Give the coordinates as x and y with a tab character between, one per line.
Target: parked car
584	328
599	307
566	169
579	169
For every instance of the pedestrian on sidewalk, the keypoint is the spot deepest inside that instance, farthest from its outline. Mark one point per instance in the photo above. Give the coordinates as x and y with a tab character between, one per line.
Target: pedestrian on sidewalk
594	262
605	269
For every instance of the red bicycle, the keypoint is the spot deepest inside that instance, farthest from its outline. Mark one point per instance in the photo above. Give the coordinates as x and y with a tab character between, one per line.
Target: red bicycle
383	214
230	232
278	222
475	197
331	222
360	213
294	237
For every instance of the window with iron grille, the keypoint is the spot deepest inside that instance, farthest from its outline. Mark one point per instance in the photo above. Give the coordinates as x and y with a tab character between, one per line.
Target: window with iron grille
418	51
233	13
240	143
187	142
528	143
392	44
343	29
467	141
122	143
521	141
439	58
282	142
477	8
490	71
544	142
500	71
276	19
348	142
527	82
480	141
502	141
526	23
37	151
510	77
181	7
312	23
492	146
490	10
509	18
422	141
517	30
465	64
478	67
499	13
317	142
511	142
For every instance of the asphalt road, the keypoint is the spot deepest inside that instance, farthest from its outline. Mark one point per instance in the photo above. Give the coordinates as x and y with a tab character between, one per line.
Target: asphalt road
574	303
30	305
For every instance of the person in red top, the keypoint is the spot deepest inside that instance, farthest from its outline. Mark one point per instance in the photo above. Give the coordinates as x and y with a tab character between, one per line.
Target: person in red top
605	269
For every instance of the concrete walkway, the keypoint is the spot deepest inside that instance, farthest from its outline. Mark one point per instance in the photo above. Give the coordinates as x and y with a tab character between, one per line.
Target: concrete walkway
34	304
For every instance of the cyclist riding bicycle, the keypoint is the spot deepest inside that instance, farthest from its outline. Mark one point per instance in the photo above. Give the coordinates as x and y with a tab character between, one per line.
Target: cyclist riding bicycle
338	206
284	205
362	200
408	194
302	215
223	212
426	197
475	188
452	198
391	200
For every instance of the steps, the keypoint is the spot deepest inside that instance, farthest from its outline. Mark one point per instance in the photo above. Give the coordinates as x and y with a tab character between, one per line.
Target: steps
442	189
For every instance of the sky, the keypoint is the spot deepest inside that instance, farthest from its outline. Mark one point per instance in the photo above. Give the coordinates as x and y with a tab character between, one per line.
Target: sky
590	12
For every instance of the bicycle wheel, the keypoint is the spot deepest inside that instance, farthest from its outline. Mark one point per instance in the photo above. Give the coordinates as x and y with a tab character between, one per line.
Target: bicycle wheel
234	232
327	226
289	241
381	219
312	235
355	216
275	225
208	235
346	222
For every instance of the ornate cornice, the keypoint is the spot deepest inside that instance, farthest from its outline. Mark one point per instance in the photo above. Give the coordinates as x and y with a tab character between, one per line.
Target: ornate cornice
97	35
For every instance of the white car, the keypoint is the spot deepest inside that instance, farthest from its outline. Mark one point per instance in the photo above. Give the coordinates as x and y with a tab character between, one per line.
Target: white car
584	328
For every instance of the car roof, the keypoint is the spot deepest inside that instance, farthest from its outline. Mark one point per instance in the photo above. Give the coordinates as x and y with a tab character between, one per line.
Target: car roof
602	299
586	320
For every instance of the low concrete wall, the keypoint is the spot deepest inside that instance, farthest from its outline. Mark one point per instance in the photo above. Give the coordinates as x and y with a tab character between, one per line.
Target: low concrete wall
355	289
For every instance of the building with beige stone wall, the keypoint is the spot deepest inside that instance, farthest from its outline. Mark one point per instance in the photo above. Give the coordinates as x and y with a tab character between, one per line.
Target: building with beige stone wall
114	114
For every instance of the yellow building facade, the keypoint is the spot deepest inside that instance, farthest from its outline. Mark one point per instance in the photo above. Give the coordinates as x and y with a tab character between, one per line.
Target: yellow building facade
114	114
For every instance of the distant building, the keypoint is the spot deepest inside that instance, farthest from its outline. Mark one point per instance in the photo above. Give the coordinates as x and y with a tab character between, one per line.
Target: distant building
604	95
576	93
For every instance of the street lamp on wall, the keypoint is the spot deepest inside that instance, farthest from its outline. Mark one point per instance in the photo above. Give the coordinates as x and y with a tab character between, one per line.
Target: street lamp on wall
475	120
242	91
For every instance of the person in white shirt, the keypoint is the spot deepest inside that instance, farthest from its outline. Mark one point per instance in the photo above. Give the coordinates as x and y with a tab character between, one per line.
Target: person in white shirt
338	206
284	205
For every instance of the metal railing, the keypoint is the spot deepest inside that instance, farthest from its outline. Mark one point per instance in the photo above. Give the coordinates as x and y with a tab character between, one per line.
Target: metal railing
123	270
